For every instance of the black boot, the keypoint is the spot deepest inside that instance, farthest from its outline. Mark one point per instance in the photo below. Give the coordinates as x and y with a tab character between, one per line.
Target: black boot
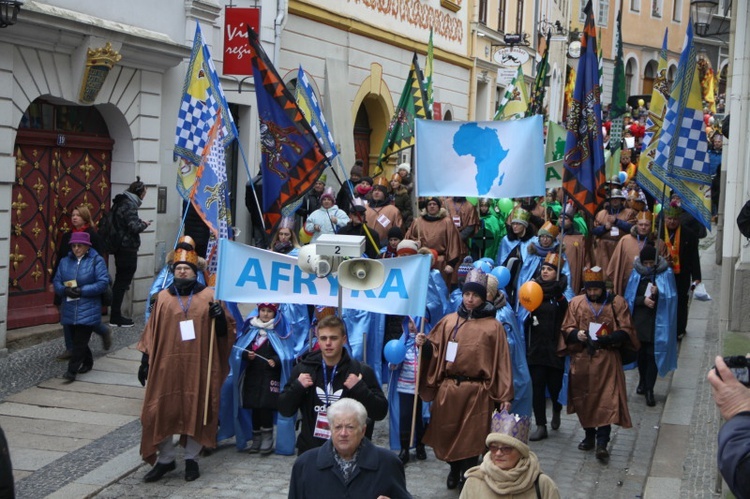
555	424
640	390
191	470
421	452
587	443
404	455
453	475
539	434
158	471
601	454
650	401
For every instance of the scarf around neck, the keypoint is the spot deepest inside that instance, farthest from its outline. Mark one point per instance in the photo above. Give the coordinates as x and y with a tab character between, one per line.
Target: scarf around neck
510	482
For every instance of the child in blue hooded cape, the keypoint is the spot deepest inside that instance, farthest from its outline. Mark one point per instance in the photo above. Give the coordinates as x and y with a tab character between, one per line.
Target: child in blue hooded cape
260	364
654	318
401	383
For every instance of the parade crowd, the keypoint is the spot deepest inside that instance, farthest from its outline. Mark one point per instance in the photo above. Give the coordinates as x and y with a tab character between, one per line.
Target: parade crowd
527	301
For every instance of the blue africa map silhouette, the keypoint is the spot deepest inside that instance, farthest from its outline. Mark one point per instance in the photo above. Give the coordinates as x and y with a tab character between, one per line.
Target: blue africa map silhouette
483	144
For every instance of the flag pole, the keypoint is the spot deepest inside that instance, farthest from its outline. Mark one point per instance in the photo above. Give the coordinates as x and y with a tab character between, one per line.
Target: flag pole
208	371
416	387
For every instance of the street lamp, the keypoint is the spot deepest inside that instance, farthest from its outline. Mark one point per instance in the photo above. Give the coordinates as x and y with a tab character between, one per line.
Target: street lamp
9	12
703	12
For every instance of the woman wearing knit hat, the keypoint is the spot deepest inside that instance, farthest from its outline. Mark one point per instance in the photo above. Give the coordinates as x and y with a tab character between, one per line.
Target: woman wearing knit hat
509	468
80	281
466	371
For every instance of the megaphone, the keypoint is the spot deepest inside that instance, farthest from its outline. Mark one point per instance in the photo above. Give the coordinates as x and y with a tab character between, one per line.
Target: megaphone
361	274
312	263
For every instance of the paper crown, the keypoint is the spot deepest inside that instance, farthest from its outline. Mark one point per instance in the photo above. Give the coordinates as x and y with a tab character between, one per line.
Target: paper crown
323	312
672	210
287	223
492	283
381	181
187	240
616	194
323	177
644	215
396	177
594	274
549	229
519	215
513	425
358	205
328	193
476	281
552	259
185	256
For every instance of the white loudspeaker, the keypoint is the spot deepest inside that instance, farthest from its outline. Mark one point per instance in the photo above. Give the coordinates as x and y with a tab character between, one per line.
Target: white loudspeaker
312	263
361	274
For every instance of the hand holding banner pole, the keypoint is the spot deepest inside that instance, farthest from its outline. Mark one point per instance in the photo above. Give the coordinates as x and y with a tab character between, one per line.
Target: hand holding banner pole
208	373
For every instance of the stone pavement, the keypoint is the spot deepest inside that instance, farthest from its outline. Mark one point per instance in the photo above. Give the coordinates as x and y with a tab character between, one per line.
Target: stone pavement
81	440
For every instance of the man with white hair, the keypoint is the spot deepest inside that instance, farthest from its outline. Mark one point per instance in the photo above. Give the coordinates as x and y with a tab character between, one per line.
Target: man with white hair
348	464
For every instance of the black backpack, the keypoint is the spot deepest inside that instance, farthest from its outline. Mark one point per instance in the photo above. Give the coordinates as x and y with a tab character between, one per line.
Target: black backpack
109	234
743	220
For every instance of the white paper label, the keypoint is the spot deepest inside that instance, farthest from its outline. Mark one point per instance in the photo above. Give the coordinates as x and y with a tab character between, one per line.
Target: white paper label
614	232
187	330
383	220
594	328
450	352
322	428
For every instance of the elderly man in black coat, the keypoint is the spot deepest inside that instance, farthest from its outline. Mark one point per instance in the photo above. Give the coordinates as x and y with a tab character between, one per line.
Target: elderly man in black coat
348	464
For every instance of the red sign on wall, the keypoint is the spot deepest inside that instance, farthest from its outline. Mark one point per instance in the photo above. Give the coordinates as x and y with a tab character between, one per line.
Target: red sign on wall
437	111
236	48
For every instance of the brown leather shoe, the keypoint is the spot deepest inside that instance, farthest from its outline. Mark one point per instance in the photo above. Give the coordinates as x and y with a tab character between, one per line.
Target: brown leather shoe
602	455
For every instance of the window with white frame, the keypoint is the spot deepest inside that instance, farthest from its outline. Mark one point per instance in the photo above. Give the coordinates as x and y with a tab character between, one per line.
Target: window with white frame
602	17
635	5
677	11
657	7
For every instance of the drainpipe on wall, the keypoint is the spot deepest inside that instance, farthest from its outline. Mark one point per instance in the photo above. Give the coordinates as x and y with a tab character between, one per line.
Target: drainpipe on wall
278	26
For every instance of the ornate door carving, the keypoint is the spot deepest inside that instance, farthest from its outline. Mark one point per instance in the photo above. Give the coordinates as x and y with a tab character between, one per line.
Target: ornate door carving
54	174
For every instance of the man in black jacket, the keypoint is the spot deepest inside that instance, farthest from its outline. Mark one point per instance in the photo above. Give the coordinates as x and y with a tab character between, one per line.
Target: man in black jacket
682	254
322	378
129	227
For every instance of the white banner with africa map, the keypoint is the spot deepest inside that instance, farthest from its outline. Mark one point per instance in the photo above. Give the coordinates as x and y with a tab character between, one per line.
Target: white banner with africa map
494	159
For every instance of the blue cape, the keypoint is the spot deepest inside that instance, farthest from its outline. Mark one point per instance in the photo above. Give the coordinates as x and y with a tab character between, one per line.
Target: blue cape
521	403
665	337
437	297
236	421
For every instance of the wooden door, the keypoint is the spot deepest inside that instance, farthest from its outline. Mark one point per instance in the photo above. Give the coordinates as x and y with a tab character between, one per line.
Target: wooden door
54	174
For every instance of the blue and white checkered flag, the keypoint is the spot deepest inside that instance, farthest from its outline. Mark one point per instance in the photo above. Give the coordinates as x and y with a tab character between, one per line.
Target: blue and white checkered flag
310	107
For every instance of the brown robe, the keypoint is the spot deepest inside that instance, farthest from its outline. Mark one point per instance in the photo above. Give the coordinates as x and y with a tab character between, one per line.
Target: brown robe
392	218
440	235
597	391
176	387
574	246
461	411
621	263
604	246
466	213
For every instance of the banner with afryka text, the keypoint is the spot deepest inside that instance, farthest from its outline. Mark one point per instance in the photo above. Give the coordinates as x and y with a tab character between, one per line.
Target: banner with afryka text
251	275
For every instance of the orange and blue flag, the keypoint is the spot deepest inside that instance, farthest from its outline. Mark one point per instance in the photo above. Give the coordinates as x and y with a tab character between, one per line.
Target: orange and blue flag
584	148
292	159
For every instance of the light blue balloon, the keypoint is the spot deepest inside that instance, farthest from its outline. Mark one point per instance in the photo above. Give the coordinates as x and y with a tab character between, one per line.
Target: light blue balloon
503	276
623	176
488	260
483	266
394	351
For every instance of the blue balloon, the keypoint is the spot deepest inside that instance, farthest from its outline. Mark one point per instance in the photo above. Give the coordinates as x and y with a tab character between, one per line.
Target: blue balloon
483	266
503	276
623	176
488	260
395	351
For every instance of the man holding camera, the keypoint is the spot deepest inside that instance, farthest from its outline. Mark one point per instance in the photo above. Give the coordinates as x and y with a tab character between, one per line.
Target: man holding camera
733	401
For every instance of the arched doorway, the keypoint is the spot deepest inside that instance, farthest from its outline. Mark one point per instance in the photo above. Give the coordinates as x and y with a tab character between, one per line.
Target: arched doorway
63	160
362	132
649	75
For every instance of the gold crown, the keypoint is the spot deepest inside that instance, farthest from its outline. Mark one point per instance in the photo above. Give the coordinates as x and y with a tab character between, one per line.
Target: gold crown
552	259
381	181
520	215
644	215
594	274
185	256
549	229
287	223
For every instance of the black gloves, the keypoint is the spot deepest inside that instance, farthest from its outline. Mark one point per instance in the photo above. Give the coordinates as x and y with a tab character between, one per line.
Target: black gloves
143	370
73	292
604	341
215	310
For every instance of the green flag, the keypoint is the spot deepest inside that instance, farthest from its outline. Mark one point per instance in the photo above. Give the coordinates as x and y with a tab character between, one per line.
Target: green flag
515	102
555	148
619	94
411	105
536	99
428	76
